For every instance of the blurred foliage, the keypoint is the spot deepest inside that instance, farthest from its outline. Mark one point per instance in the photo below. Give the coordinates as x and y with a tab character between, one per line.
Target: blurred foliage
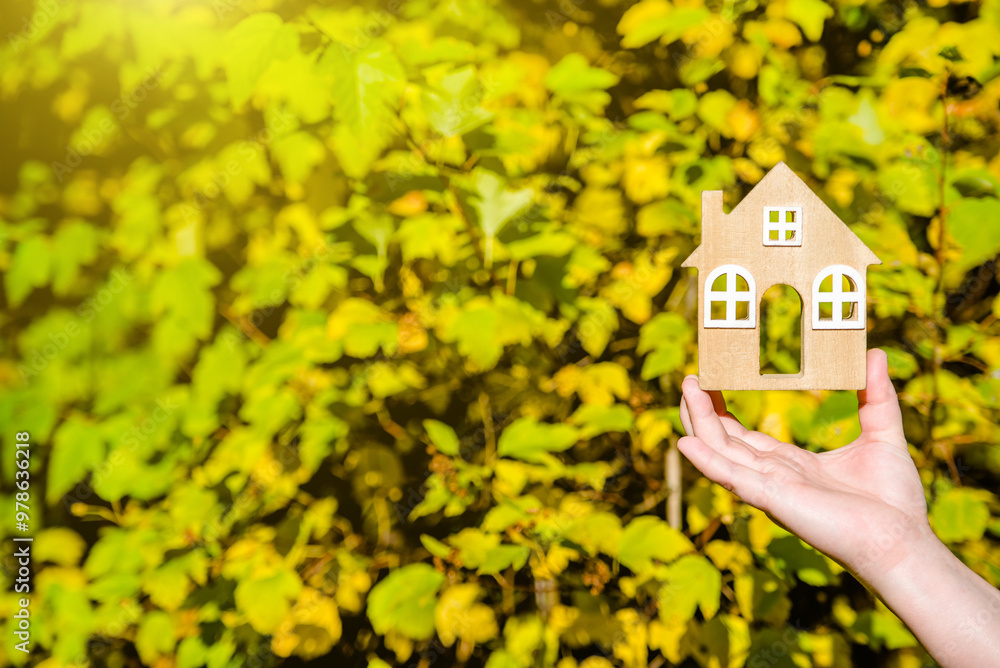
355	330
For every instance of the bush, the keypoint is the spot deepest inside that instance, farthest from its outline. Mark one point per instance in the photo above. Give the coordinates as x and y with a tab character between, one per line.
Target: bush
356	331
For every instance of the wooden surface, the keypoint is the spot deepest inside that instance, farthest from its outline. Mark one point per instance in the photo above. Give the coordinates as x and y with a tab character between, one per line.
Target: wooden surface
729	358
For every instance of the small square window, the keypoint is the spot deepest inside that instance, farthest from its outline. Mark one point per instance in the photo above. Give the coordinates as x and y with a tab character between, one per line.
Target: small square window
718	310
782	226
742	310
825	311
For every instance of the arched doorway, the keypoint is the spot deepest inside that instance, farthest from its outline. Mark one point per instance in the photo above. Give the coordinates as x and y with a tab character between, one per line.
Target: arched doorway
780	330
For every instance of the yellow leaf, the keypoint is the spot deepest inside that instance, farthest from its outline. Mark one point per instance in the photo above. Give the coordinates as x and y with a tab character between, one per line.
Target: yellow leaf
631	645
646	179
666	636
781	33
351	584
558	558
311	627
744	60
265	600
743	121
774	418
637	18
458	616
601	383
596	662
710	37
840	185
410	204
911	102
412	336
729	555
59	545
602	210
654	428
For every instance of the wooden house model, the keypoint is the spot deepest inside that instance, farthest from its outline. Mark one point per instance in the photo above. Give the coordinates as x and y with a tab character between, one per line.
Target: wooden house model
781	233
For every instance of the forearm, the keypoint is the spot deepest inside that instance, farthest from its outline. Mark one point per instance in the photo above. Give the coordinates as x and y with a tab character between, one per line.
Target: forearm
953	612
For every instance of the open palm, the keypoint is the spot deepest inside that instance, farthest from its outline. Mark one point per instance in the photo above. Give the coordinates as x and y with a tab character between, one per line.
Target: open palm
859	504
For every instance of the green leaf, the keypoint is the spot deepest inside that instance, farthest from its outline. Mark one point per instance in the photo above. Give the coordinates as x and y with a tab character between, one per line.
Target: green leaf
597	323
809	565
182	299
265	601
76	449
691	582
596	532
405	601
668	336
554	244
250	47
678	104
966	224
191	653
28	270
959	515
497	205
529	440
435	547
74	245
594	419
714	108
367	87
810	15
881	628
647	538
902	364
155	637
911	186
442	436
298	155
485	553
761	595
653	19
452	107
573	75
952	54
666	217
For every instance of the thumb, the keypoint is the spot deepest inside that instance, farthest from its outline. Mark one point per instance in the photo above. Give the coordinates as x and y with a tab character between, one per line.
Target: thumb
878	406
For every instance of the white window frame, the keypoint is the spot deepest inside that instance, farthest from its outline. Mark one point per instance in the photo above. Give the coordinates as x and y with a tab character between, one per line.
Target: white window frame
838	298
781	226
730	296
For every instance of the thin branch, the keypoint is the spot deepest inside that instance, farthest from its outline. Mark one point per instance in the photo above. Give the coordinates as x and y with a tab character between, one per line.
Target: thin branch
672	471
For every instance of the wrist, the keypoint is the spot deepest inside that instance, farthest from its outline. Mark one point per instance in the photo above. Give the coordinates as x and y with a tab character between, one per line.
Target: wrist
899	554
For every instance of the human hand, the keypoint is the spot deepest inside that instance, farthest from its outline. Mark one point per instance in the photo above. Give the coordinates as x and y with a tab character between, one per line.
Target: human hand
862	504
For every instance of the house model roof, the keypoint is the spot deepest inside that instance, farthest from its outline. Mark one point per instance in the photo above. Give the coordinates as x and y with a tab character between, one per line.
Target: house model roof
735	236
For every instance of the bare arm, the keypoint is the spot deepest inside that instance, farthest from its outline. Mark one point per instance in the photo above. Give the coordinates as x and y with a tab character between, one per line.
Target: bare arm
863	505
